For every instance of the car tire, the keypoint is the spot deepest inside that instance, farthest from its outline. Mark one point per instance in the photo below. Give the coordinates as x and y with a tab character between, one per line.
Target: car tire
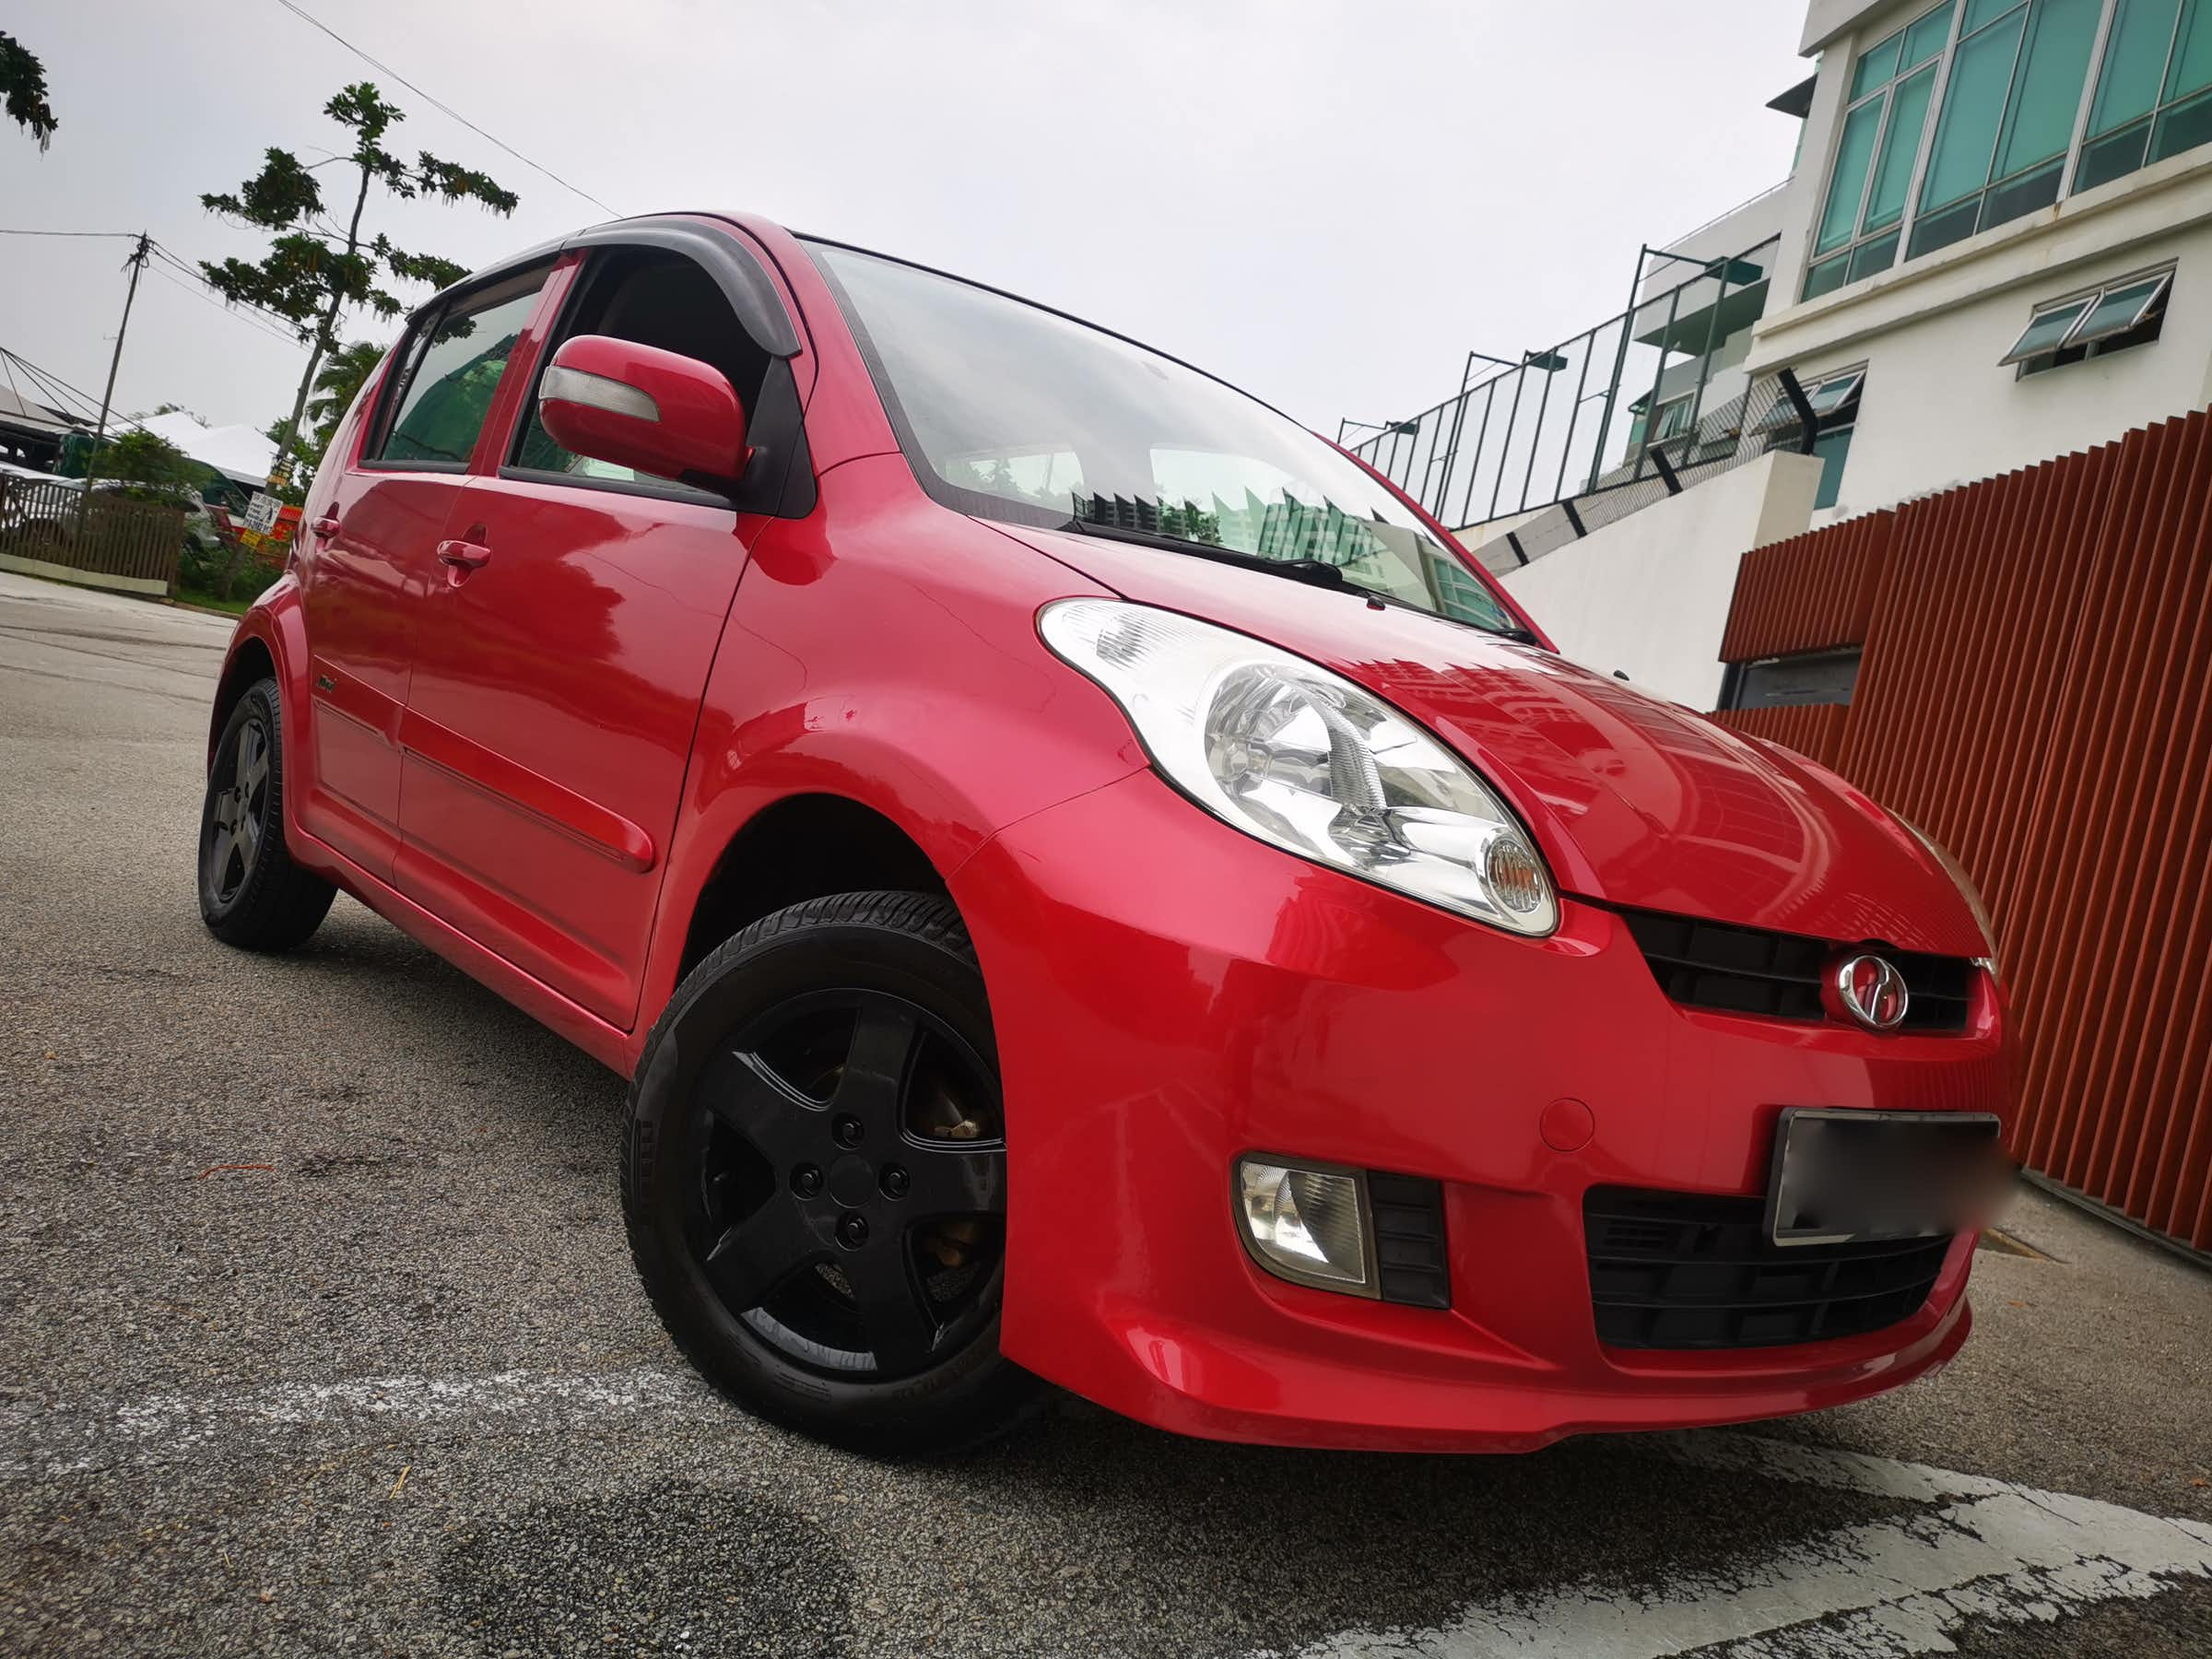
814	1131
253	894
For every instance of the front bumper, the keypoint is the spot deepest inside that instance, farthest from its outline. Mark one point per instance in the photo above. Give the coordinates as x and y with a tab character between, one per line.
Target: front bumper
1168	993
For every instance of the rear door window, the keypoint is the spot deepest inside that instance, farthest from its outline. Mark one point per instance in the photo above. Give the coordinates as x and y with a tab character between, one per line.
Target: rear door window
452	367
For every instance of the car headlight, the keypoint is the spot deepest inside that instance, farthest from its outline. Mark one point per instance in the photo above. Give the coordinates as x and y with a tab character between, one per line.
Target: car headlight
1964	883
1302	759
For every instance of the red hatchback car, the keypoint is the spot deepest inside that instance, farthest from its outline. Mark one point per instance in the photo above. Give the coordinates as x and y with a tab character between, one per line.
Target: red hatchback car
1090	883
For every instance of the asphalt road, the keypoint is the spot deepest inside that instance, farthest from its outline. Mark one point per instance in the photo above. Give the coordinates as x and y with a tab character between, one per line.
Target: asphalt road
318	1336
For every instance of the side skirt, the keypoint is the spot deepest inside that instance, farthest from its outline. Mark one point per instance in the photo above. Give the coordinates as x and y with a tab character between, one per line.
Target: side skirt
606	1043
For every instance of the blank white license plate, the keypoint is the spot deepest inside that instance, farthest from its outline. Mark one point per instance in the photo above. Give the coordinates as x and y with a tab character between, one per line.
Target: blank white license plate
1843	1177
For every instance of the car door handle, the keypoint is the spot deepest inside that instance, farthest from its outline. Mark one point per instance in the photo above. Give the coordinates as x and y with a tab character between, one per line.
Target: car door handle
464	555
325	527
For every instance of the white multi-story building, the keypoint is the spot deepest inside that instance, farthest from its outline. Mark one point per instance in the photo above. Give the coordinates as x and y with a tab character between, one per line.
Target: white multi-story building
1995	248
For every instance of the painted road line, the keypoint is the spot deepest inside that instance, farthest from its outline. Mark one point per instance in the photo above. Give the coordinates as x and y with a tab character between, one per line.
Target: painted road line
1982	1549
46	1440
1977	1547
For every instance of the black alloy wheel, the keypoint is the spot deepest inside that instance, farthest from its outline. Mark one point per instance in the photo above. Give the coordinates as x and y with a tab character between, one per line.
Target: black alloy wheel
814	1177
851	1190
251	893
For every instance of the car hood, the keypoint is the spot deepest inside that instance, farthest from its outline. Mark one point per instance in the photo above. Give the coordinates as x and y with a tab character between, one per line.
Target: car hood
1635	801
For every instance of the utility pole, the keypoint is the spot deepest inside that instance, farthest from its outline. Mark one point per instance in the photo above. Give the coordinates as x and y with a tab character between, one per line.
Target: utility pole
99	433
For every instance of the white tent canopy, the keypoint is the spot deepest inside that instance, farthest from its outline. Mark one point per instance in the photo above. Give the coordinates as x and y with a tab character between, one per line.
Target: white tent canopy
236	451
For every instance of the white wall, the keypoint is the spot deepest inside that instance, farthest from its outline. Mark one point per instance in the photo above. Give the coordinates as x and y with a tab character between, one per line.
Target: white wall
1825	19
1937	409
1649	596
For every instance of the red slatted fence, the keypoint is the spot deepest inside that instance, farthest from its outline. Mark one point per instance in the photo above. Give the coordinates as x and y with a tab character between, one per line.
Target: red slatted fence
2036	692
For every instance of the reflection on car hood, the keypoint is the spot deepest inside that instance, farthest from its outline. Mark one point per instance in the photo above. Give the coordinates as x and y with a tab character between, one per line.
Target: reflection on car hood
1635	801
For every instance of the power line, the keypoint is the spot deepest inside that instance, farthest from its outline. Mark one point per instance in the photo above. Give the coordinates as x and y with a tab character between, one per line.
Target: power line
127	235
208	298
59	390
55	386
308	18
215	295
191	271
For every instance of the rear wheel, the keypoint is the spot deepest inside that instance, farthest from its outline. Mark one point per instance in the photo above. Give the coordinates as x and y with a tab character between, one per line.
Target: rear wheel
252	894
814	1176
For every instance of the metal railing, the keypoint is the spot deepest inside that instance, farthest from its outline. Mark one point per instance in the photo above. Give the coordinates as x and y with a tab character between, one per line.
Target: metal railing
1595	412
1769	414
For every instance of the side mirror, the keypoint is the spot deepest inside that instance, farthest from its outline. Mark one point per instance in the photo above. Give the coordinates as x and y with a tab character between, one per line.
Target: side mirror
642	407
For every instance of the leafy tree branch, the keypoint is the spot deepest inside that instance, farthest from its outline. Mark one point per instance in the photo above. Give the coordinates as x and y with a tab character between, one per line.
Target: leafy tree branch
313	274
23	80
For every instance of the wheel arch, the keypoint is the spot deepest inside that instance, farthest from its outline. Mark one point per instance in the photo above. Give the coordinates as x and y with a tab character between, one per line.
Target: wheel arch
251	661
270	640
804	845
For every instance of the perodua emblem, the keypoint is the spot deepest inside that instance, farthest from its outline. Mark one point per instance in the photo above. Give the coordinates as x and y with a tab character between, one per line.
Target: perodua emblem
1873	992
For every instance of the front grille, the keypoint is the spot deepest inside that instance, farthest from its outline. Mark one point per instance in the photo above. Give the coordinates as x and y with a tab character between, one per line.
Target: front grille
1683	1270
1750	971
1411	1266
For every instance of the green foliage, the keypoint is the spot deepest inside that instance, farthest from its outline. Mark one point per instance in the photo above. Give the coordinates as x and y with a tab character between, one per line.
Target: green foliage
200	575
1187	522
23	79
419	268
281	194
305	453
155	468
340	380
313	271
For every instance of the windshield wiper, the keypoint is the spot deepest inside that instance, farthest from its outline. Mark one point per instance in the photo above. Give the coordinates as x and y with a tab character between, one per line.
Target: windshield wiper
1314	573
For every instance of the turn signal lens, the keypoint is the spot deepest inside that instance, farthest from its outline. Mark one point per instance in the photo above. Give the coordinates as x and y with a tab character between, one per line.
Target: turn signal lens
1307	1225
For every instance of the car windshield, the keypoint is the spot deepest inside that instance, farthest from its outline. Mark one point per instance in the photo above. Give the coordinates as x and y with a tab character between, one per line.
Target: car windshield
1014	412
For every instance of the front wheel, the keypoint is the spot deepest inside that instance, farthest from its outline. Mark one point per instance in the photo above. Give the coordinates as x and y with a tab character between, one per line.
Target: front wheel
814	1176
252	894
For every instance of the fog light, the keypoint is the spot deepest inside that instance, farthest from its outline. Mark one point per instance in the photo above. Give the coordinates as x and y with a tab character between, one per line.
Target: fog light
1307	1224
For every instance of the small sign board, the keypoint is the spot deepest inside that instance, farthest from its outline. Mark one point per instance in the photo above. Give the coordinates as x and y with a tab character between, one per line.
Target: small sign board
261	511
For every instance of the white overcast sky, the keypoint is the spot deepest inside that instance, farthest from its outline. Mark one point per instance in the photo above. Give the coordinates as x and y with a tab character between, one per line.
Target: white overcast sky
1325	201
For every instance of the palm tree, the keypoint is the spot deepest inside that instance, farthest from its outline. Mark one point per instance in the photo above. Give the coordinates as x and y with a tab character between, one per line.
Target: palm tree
337	384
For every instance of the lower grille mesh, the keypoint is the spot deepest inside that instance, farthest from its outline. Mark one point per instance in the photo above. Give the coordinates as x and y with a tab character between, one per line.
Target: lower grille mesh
1683	1270
1409	1240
